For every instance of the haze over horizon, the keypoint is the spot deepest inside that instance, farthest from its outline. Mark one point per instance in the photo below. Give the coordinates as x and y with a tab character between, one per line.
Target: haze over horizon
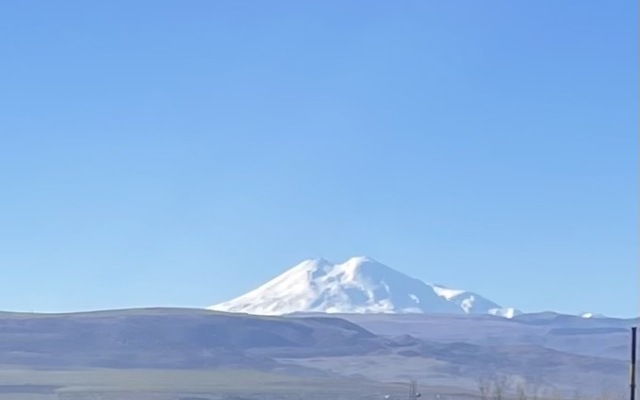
180	154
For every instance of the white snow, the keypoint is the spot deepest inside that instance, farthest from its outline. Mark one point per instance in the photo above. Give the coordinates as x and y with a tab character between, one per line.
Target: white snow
359	285
591	315
446	292
505	312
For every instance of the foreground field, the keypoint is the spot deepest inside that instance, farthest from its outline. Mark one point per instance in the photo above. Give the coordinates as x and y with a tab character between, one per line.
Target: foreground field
144	384
185	385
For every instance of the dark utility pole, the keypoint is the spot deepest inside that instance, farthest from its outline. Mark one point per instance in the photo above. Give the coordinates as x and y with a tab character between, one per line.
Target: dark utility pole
413	390
633	363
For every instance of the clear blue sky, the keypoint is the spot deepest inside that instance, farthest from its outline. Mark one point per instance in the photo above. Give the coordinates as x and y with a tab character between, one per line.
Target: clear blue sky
182	152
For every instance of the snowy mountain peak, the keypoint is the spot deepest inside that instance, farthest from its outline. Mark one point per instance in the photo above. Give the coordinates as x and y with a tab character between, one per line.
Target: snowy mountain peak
360	260
366	268
358	285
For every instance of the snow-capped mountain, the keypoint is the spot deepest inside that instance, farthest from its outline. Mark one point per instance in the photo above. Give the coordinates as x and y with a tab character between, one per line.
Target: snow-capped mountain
359	285
592	315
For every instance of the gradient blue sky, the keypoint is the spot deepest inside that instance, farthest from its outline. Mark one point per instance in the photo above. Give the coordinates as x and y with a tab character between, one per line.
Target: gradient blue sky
182	152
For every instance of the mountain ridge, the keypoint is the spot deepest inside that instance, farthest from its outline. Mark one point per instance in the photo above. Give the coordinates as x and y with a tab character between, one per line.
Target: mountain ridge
359	285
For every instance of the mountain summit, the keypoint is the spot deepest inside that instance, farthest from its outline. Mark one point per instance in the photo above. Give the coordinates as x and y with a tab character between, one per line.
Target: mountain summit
359	285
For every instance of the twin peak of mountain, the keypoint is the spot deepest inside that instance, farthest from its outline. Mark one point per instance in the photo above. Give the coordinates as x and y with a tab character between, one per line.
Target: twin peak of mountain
358	286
